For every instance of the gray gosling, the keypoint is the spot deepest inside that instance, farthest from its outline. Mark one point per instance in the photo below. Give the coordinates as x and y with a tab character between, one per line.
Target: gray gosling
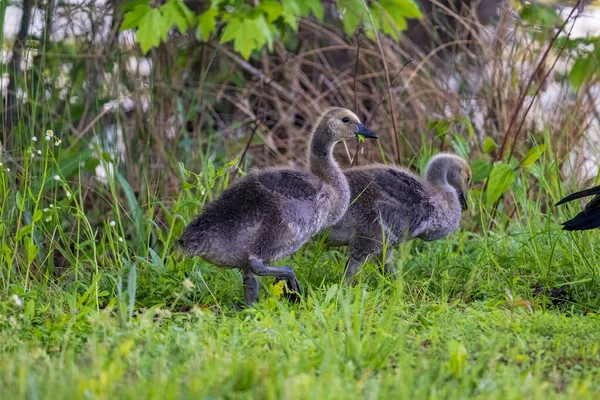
270	213
394	205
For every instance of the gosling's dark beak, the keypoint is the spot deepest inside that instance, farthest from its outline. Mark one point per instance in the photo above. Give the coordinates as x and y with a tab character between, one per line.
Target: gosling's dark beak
364	131
464	203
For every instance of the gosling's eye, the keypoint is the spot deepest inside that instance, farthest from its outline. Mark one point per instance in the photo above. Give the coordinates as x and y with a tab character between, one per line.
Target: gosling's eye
345	120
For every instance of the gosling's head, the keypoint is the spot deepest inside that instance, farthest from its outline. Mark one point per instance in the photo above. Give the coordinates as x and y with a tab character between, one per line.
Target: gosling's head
338	124
453	170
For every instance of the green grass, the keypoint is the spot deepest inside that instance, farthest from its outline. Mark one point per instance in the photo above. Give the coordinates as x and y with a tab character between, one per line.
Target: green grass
470	316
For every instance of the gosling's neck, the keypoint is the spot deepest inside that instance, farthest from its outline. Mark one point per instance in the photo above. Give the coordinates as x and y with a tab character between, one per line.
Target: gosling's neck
322	163
438	180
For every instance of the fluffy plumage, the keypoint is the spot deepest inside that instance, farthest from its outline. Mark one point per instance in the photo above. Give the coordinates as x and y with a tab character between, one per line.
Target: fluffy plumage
589	218
271	213
391	204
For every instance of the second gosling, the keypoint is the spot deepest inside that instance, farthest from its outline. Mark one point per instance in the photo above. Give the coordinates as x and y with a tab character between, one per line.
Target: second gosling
393	205
271	213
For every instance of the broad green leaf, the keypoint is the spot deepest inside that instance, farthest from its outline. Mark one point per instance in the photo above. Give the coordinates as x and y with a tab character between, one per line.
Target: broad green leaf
291	12
584	69
532	155
175	12
541	15
153	27
248	35
489	145
273	9
132	19
29	310
306	6
352	13
501	177
481	170
207	23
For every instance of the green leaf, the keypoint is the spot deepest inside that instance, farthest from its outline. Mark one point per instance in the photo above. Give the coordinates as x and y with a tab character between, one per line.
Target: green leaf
352	13
175	12
207	23
291	12
248	35
37	215
32	252
501	177
273	9
457	359
29	310
541	15
489	145
24	231
583	70
481	170
132	19
153	27
533	155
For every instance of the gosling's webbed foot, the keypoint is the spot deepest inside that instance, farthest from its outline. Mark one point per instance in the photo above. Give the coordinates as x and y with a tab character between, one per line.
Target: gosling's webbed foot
292	291
281	273
390	271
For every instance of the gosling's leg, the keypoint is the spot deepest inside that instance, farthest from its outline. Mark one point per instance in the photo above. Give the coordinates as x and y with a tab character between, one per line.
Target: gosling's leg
250	287
353	265
281	273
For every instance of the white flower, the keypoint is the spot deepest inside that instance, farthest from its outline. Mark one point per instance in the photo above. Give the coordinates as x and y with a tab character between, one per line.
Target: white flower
17	300
46	210
121	239
56	178
51	205
48	137
48	219
57	142
68	194
7	169
112	223
39	152
34	139
0	164
49	133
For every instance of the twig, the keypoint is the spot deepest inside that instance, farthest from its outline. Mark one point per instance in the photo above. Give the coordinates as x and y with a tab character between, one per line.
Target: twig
535	73
395	141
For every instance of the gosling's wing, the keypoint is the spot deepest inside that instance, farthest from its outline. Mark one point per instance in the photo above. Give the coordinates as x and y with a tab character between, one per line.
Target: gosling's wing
578	195
587	219
290	184
402	187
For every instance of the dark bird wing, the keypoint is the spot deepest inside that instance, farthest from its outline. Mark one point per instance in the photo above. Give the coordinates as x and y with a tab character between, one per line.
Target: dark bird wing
292	184
578	195
588	218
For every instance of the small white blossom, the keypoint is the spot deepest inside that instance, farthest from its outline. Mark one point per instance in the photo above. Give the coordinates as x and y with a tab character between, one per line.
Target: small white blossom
121	239
51	205
57	142
68	194
34	139
7	169
48	219
0	164
39	152
46	210
17	300
56	178
48	137
49	133
112	223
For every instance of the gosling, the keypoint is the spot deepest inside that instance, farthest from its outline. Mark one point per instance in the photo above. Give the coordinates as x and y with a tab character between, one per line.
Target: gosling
589	218
394	205
271	213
